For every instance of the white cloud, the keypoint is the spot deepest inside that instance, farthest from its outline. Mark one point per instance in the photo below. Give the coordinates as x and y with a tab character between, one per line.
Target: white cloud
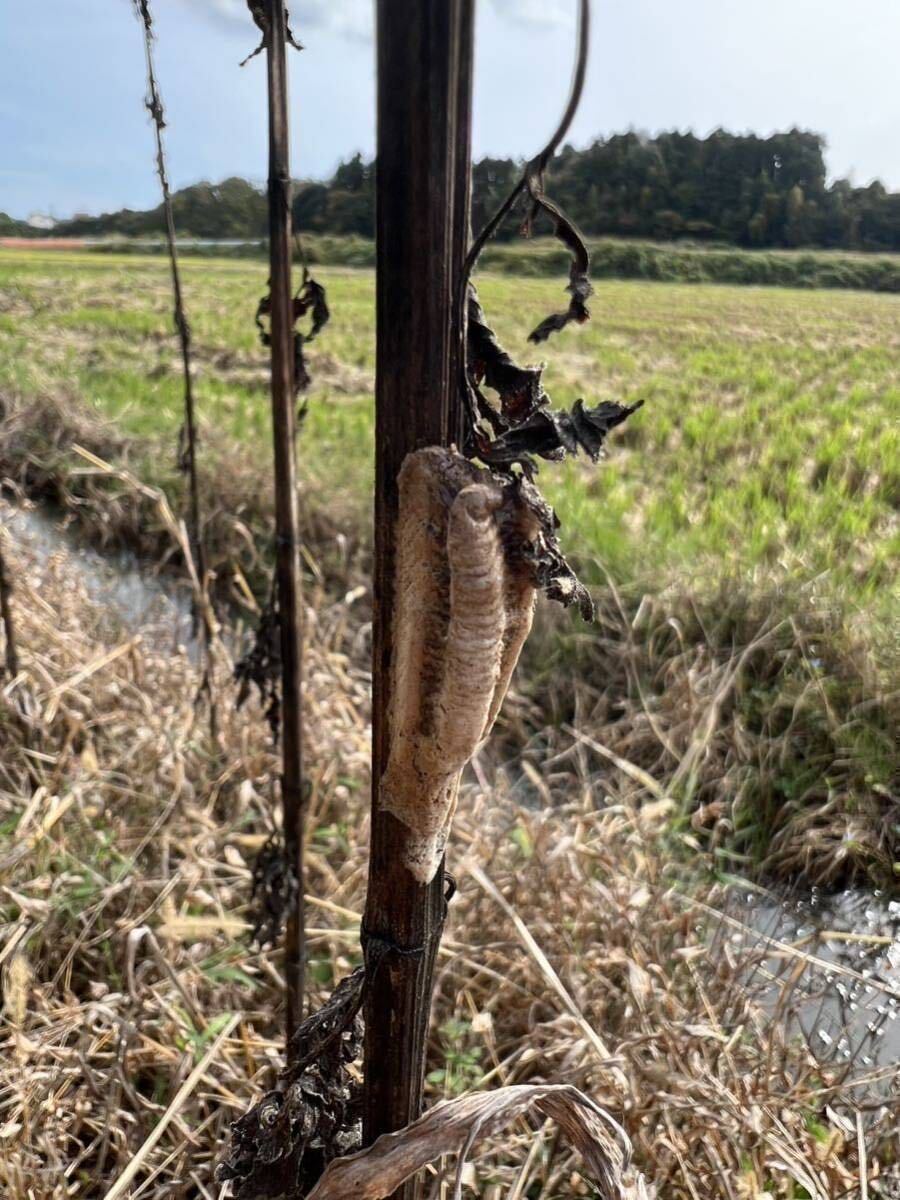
354	18
349	18
546	13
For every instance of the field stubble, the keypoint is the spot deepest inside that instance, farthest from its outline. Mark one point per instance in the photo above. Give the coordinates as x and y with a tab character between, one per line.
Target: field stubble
125	915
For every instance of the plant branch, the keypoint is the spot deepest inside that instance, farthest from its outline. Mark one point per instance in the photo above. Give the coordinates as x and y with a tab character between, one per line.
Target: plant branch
187	438
287	541
538	164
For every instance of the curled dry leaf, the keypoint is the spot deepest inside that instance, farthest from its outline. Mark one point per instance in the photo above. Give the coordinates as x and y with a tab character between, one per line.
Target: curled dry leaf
260	665
311	299
520	389
550	568
273	892
523	426
281	1146
456	1125
579	287
553	435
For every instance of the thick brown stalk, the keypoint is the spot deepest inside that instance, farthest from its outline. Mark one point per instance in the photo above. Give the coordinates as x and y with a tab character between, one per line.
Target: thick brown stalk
188	449
462	203
424	104
287	560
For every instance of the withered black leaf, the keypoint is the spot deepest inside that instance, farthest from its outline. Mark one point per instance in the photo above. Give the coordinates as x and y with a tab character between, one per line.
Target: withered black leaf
310	299
552	573
579	287
509	439
260	665
283	1144
520	389
325	1027
273	891
553	435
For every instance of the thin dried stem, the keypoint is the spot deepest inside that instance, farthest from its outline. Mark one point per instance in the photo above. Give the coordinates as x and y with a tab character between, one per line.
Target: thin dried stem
9	627
187	456
538	164
287	564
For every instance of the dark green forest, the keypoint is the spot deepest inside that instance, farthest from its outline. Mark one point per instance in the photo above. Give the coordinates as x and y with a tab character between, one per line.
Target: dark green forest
732	189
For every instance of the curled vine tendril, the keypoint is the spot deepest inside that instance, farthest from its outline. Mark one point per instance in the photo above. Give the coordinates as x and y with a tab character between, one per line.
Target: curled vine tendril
509	437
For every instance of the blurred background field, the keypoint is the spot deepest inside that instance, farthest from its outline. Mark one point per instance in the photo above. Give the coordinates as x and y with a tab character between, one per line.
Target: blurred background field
767	447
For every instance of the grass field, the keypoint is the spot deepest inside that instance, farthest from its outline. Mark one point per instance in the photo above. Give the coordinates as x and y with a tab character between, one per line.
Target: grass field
732	712
752	500
767	446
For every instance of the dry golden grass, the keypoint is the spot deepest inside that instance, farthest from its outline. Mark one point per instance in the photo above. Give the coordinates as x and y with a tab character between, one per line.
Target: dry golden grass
137	1022
768	707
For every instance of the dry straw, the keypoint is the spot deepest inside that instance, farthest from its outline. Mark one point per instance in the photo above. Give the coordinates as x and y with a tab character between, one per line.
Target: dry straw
567	928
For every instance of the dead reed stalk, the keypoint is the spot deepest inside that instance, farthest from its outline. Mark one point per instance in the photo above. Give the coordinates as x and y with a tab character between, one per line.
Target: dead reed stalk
424	81
188	435
287	535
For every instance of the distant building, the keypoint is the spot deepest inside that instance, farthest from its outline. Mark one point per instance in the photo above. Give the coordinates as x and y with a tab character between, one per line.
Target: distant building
41	221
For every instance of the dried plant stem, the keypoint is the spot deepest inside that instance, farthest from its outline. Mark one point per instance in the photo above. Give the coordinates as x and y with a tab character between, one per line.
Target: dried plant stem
9	627
121	1185
188	446
287	563
424	74
466	306
11	657
539	163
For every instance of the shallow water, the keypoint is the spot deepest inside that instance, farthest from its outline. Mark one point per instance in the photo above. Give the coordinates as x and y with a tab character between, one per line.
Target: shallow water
846	1001
133	600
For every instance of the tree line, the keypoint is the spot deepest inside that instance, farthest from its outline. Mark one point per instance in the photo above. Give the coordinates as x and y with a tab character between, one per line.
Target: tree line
734	189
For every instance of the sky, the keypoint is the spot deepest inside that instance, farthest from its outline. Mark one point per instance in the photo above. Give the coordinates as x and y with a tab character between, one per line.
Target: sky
74	136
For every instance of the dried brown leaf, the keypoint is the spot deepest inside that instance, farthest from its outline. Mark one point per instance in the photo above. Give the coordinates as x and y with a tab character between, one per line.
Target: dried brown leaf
579	286
456	1125
280	1147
